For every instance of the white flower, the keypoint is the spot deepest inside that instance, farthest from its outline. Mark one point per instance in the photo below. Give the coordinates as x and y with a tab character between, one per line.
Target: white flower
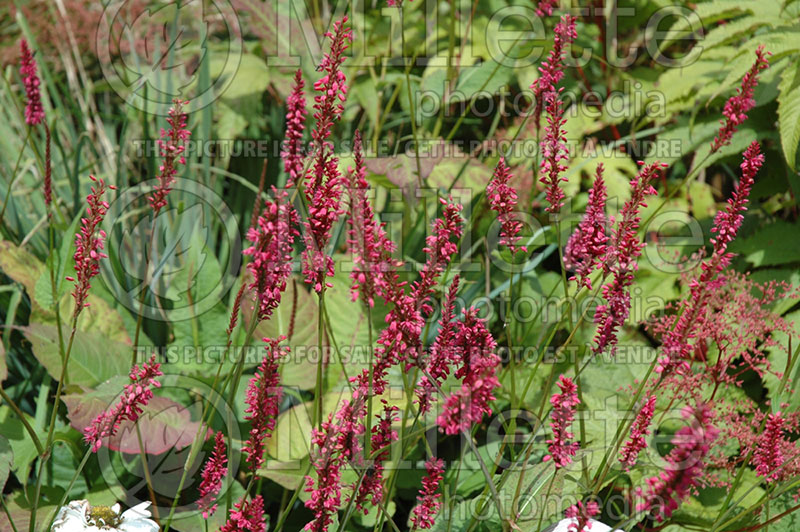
596	526
79	516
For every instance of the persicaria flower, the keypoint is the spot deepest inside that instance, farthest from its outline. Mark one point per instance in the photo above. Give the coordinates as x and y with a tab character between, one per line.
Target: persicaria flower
737	107
503	200
685	464
587	245
171	147
324	187
474	344
676	346
564	403
34	113
246	515
214	471
292	152
263	401
582	514
424	513
554	151
134	397
89	242
545	7
367	240
551	70
620	260
327	457
271	251
383	435
639	431
768	457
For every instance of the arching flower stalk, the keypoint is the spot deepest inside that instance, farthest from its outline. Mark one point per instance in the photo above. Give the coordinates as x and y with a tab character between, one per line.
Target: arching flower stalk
171	146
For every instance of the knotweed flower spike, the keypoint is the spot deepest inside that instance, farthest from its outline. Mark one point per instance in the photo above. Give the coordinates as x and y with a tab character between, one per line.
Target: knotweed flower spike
383	435
328	455
423	516
676	347
503	200
368	242
263	401
768	457
551	70
323	183
582	514
171	147
89	242
133	399
620	260
564	403
271	251
639	431
246	516
554	152
737	107
214	471
685	464
474	344
34	113
587	245
293	152
545	7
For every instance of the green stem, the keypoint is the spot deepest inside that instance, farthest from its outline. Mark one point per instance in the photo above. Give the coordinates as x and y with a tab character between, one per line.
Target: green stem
319	388
28	428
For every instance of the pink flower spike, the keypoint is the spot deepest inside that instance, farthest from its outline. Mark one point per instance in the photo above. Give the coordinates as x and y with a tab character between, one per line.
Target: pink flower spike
246	516
89	242
263	401
131	401
292	152
272	239
587	245
503	200
214	471
685	465
424	513
639	431
324	183
34	112
737	106
545	7
768	457
583	514
561	448
382	437
551	71
368	242
554	152
171	146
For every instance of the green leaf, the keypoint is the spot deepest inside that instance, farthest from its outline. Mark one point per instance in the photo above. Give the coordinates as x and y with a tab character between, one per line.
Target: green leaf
251	75
23	450
20	265
480	81
789	114
93	359
767	246
290	475
6	461
43	292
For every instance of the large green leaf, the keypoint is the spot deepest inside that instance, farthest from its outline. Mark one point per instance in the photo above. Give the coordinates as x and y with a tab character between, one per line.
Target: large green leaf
789	114
6	461
93	358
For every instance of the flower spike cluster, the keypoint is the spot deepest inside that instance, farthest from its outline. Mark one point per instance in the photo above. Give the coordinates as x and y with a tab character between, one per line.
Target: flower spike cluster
564	403
768	457
368	242
503	200
620	260
545	7
34	113
134	397
685	464
324	183
271	251
246	515
639	431
382	437
582	515
587	245
89	242
263	399
292	153
737	107
424	513
214	471
675	345
171	147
